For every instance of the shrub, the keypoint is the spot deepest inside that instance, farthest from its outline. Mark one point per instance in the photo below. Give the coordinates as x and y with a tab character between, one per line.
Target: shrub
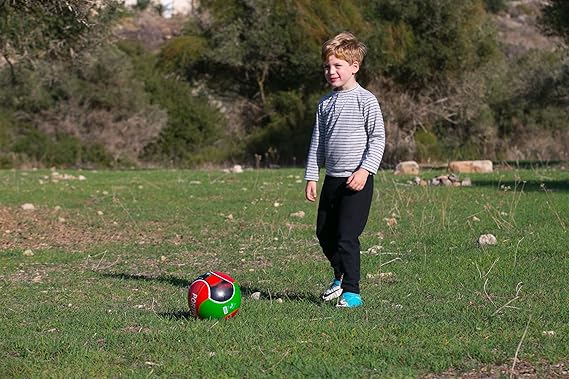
194	129
495	6
284	139
181	54
427	145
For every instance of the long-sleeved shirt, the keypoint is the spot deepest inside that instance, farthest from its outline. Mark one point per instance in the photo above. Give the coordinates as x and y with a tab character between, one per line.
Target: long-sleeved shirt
348	134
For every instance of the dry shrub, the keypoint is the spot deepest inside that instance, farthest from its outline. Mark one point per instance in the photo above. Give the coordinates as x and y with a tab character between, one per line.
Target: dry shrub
539	145
455	104
122	135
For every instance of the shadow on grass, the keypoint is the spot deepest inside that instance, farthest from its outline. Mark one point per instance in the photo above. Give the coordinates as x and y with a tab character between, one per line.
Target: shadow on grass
246	291
526	186
168	279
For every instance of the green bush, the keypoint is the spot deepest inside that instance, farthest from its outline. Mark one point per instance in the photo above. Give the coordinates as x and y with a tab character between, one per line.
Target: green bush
285	138
182	53
417	50
427	145
195	130
59	150
495	6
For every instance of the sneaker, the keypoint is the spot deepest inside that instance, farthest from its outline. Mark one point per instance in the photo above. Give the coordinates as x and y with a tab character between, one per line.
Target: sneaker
333	291
350	300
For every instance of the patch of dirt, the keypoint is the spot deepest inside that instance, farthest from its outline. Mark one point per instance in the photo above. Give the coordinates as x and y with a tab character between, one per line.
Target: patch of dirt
43	228
519	30
150	29
522	370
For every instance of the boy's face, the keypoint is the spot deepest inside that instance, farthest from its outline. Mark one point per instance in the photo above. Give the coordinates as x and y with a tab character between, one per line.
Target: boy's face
339	73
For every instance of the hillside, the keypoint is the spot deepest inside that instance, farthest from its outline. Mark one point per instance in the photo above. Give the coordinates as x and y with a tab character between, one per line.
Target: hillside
240	83
518	30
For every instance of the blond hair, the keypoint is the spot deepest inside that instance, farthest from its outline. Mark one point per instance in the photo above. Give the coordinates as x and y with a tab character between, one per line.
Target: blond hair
344	46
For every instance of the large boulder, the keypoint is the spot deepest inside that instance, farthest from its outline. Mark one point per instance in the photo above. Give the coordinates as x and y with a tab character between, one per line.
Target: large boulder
481	166
407	168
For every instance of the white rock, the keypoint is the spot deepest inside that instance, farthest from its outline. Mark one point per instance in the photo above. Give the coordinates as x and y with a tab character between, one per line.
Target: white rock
471	166
256	295
28	207
237	169
28	253
444	180
392	221
467	182
299	214
407	168
487	240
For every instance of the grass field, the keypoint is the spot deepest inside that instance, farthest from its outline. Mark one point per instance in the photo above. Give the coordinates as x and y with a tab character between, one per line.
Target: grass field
94	278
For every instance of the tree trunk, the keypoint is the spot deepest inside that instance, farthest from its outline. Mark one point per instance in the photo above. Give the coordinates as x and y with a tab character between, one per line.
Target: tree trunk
261	77
13	80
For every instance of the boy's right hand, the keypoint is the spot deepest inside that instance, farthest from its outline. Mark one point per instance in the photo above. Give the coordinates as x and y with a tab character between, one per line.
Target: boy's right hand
311	193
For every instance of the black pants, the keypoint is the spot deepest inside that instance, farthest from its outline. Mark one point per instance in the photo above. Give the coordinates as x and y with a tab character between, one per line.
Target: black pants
342	216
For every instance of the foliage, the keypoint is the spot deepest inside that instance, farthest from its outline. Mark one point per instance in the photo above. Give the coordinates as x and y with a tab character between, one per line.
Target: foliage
420	51
253	52
83	104
253	47
555	18
62	149
181	54
428	146
195	130
290	119
32	31
269	52
495	6
243	80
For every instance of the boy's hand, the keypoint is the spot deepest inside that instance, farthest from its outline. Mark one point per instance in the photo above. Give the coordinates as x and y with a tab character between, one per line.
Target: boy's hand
310	190
357	180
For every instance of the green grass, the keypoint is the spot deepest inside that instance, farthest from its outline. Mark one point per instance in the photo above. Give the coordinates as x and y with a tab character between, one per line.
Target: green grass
104	293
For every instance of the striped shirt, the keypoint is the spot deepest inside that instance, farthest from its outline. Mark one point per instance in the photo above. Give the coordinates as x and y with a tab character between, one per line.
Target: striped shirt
348	134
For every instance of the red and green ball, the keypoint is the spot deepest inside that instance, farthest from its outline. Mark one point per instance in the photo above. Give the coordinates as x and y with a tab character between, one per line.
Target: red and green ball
214	295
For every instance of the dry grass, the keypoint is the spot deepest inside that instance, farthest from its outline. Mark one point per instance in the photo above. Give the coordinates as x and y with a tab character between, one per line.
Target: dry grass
52	228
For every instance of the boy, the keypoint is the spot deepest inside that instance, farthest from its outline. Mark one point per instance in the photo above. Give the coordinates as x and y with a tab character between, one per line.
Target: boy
348	140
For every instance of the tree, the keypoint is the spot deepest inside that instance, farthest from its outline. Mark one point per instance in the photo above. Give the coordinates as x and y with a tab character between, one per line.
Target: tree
34	30
424	41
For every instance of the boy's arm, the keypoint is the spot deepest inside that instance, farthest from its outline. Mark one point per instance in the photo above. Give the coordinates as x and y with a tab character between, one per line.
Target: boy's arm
376	136
315	158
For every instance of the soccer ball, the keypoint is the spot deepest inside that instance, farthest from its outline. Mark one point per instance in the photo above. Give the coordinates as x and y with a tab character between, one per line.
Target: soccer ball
214	295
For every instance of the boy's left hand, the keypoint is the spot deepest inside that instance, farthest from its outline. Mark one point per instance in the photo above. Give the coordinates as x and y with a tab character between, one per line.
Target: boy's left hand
357	180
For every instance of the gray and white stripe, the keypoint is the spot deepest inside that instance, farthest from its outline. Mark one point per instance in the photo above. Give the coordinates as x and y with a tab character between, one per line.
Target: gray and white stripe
348	134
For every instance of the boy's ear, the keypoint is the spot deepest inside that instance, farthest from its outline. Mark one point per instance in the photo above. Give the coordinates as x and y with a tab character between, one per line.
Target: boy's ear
355	67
